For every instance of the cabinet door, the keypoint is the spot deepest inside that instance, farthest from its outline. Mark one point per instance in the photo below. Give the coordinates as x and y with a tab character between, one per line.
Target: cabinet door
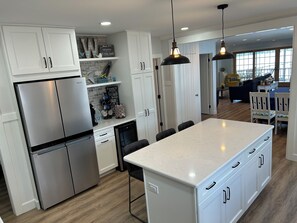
106	154
61	49
146	51
150	105
134	52
25	50
251	181
265	166
212	210
235	204
139	105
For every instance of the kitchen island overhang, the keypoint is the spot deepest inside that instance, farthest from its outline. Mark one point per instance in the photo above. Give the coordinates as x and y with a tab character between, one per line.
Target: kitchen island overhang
201	160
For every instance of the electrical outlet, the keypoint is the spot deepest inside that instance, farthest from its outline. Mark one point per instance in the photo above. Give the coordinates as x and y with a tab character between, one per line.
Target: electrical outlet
153	188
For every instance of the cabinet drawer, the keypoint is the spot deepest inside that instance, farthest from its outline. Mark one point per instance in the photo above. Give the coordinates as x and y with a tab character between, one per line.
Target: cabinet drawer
256	146
214	182
102	134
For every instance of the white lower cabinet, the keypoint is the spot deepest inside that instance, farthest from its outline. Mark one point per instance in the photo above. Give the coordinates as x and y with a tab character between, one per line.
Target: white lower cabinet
106	150
224	197
225	204
257	173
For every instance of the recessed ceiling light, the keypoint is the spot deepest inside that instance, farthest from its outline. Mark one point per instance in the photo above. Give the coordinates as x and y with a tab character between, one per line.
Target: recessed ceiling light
106	23
244	40
258	39
184	28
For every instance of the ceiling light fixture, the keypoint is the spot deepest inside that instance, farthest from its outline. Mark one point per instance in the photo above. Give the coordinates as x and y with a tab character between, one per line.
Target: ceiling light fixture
105	23
175	57
184	28
223	54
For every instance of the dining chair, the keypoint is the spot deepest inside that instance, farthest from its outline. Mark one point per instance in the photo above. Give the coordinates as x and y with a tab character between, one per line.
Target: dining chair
165	133
282	101
134	171
185	125
260	107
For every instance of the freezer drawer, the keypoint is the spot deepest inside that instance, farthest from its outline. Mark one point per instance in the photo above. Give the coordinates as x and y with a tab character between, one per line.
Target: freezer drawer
74	104
83	162
52	175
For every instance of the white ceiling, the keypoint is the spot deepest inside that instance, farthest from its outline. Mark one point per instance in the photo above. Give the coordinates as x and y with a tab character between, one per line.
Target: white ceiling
143	15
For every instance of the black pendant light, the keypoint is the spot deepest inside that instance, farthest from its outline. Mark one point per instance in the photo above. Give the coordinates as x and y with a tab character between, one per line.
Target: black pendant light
175	57
223	54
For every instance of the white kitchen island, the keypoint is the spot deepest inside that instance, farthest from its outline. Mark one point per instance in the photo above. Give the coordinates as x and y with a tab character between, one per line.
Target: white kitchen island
208	173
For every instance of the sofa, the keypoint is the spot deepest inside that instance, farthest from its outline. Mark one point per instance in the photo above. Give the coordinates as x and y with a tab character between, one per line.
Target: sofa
243	92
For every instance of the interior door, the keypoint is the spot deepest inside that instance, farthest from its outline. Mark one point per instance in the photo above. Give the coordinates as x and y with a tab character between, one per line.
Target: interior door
204	80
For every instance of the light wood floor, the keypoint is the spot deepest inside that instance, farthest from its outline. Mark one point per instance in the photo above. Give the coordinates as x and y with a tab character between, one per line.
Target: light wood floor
108	202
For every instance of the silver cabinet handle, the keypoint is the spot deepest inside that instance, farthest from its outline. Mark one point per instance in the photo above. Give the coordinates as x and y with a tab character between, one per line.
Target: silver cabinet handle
103	134
268	137
104	141
260	165
145	112
141	66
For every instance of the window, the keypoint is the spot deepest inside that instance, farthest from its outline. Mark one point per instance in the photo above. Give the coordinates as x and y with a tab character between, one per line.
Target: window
244	65
264	62
253	64
285	64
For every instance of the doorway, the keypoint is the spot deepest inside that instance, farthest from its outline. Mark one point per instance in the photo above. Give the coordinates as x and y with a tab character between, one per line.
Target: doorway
205	79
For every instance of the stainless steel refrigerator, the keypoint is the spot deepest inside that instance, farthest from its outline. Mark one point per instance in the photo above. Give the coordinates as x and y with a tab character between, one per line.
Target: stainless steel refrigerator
59	133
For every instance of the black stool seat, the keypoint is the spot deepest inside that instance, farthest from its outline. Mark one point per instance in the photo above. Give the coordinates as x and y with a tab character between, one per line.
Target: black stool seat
185	125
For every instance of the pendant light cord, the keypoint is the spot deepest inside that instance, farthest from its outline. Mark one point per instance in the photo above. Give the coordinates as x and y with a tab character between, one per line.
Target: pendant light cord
173	31
223	27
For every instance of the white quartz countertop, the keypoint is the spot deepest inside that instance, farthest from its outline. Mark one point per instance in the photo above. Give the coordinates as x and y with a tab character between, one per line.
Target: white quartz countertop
190	156
107	123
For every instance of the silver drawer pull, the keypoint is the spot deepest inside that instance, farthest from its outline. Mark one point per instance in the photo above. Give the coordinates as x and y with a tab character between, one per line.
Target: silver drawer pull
103	134
268	137
251	152
211	186
236	165
105	141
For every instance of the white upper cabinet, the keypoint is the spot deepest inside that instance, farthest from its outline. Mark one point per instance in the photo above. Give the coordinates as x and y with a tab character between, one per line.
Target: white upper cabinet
61	49
36	50
140	52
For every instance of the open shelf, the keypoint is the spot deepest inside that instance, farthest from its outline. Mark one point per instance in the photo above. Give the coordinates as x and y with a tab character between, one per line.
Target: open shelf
98	59
104	84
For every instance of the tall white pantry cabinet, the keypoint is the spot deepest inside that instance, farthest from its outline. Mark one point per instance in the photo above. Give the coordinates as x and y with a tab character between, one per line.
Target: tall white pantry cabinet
135	69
